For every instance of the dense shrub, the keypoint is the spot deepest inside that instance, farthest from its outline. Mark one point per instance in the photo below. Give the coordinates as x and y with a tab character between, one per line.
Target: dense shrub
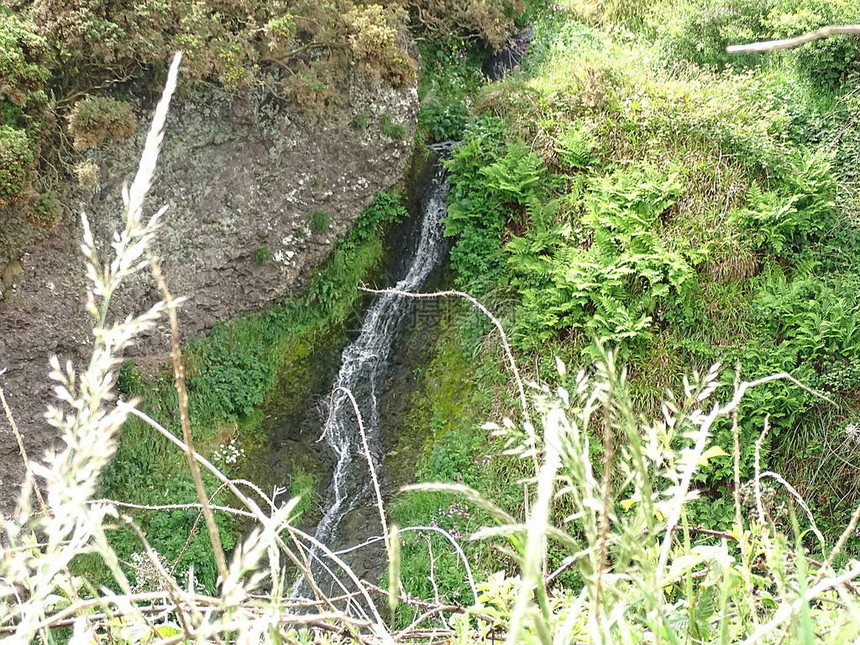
784	220
320	221
23	77
231	43
47	209
373	37
444	120
492	21
613	289
704	28
97	119
23	59
16	162
825	62
451	74
476	215
700	31
232	378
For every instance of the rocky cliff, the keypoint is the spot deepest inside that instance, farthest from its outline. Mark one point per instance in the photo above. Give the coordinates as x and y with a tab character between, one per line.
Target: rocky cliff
242	177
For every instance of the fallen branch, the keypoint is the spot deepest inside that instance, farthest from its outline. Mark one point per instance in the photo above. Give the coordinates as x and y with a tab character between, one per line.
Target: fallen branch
788	43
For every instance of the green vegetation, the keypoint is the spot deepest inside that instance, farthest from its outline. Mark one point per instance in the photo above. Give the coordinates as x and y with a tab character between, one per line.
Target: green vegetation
262	255
16	162
451	74
230	374
392	130
701	30
629	187
359	122
304	54
320	221
651	192
97	119
47	209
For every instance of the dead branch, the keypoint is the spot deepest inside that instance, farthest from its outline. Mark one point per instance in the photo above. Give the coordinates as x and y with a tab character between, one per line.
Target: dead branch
788	43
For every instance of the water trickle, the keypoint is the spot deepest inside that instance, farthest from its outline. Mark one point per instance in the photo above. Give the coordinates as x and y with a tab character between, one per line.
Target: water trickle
364	364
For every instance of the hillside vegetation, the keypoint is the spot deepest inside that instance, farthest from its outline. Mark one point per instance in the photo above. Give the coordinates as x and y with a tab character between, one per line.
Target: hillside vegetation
652	436
634	186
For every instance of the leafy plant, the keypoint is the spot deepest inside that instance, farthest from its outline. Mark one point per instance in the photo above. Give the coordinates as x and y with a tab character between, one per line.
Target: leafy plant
359	122
25	58
17	155
515	177
476	215
384	210
576	145
613	289
47	209
97	119
320	221
786	219
262	255
444	120
231	377
128	379
391	129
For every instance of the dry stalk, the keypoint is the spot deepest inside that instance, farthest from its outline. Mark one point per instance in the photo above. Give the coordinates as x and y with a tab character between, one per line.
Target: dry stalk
457	548
265	520
606	486
848	532
23	451
170	587
800	501
179	381
697	450
736	456
757	482
370	467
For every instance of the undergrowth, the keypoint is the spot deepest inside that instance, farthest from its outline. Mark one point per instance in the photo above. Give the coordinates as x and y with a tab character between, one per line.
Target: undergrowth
601	519
230	373
633	184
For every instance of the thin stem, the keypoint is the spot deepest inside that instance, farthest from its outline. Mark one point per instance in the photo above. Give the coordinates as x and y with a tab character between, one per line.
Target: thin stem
185	420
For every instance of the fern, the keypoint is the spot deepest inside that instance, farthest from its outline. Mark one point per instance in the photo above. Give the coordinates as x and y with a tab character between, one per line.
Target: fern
613	289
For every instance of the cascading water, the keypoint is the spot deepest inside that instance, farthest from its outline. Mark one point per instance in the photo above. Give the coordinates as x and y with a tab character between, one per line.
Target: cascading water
364	364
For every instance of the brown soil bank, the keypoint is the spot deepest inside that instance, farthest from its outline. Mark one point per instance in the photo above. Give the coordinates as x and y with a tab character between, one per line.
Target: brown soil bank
242	178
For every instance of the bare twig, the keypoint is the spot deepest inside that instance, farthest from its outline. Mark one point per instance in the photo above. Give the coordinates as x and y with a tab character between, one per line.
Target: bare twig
23	451
170	507
787	43
757	482
185	421
370	465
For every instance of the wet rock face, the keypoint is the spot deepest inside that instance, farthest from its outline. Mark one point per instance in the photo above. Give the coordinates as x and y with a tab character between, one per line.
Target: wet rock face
498	64
242	179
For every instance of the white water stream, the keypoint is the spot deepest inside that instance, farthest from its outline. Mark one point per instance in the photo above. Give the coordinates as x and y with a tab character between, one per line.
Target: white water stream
364	365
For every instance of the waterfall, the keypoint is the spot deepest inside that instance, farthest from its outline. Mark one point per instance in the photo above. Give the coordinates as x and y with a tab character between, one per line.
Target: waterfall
364	364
